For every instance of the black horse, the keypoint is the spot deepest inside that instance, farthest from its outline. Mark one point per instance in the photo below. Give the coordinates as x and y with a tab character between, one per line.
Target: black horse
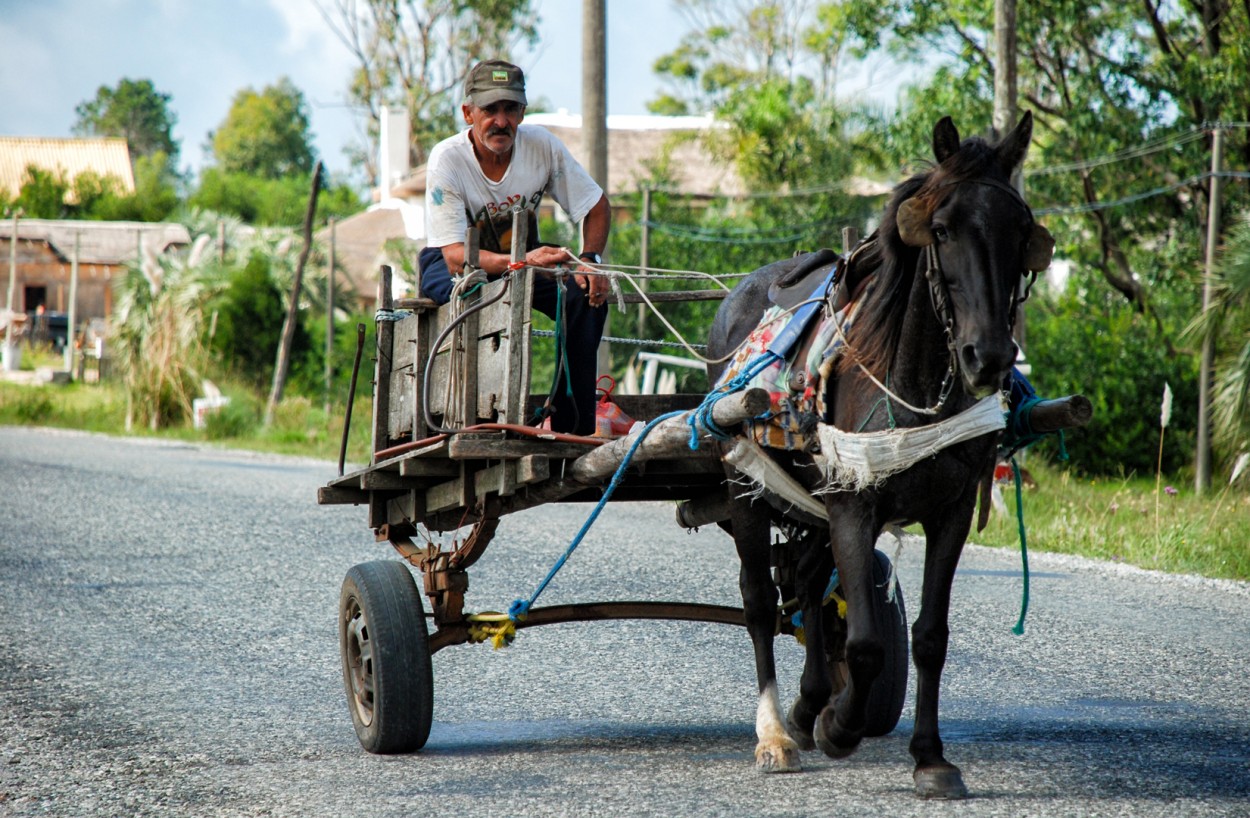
937	292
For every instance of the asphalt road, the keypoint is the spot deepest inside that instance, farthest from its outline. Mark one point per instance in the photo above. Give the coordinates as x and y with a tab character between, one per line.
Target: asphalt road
168	647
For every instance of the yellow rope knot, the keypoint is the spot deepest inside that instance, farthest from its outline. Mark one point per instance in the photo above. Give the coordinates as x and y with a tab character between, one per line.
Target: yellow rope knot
495	627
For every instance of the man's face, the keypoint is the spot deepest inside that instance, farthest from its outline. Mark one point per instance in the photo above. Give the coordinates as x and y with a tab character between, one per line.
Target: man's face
494	127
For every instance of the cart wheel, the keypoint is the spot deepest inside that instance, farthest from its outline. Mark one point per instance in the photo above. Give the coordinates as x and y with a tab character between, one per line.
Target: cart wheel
384	644
889	690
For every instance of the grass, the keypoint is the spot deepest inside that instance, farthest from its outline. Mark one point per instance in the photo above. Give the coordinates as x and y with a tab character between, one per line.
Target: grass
1112	519
299	427
1116	519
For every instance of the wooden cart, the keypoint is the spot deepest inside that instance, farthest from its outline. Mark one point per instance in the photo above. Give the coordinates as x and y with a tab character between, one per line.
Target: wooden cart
480	469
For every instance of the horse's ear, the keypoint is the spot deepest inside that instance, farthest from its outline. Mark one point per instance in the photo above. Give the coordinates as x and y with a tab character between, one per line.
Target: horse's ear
912	220
1039	249
945	139
1015	145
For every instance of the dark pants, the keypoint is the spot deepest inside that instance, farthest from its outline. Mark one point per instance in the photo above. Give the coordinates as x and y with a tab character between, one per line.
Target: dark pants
583	329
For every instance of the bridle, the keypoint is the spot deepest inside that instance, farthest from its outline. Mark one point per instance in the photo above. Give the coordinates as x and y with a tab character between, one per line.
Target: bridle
939	295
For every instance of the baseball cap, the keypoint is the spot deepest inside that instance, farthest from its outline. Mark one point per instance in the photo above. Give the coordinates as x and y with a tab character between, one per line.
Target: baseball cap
494	80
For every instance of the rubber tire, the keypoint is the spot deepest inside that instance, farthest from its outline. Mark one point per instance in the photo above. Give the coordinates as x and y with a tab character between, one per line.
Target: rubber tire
382	631
889	690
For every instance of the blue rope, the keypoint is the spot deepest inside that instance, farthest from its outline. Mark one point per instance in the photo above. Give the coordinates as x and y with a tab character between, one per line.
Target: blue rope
797	619
520	607
701	416
1018	630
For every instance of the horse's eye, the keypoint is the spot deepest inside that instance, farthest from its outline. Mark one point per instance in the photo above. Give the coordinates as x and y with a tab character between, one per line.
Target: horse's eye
939	233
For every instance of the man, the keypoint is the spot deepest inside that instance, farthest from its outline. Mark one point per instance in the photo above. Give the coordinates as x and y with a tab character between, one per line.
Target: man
484	174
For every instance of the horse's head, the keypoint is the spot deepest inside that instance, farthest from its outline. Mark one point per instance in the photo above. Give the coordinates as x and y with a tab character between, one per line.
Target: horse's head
977	237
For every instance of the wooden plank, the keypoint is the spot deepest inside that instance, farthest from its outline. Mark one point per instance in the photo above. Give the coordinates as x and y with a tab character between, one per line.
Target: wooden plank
516	341
415	467
332	495
532	469
383	480
405	508
474	447
382	368
448	495
403	379
400	412
498	479
421	354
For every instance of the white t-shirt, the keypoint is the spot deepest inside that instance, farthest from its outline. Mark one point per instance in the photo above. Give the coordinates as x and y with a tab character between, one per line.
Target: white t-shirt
458	193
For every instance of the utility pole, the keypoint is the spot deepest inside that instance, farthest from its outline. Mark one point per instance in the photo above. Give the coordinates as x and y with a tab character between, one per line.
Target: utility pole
1005	81
73	308
1005	105
644	260
1202	468
11	348
595	110
330	321
595	90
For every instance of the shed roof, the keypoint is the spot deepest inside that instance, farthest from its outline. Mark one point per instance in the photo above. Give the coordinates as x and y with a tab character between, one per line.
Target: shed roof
106	156
98	242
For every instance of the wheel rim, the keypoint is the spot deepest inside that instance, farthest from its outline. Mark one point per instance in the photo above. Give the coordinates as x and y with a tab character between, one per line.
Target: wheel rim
358	653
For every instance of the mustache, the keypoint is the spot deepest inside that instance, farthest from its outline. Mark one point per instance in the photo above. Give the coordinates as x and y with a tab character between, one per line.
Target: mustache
499	132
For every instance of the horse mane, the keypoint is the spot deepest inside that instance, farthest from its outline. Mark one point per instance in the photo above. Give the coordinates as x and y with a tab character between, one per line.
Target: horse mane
874	335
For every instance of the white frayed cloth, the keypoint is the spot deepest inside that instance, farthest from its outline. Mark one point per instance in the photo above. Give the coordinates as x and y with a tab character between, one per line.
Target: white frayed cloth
749	458
853	461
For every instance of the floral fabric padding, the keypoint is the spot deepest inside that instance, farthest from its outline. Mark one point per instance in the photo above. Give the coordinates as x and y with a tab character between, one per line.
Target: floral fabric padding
792	417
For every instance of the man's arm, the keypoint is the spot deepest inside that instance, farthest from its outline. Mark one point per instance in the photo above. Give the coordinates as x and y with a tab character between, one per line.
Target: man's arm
497	263
595	229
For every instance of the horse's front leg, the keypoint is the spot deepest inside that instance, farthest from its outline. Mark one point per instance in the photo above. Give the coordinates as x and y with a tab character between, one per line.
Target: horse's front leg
775	751
841	724
935	777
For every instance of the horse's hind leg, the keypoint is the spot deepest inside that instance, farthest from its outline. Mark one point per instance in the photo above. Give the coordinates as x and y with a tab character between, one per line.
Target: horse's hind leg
841	724
815	566
935	777
775	751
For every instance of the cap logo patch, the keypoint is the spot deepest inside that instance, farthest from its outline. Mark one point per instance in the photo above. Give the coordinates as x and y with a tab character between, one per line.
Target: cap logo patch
499	76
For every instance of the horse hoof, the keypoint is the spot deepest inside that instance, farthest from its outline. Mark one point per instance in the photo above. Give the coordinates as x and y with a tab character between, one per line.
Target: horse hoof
943	782
800	729
777	759
834	740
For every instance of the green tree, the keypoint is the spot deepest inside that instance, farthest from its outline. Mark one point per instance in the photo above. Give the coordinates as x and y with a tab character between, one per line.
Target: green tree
1121	93
43	193
265	134
271	202
417	53
250	310
135	111
1227	325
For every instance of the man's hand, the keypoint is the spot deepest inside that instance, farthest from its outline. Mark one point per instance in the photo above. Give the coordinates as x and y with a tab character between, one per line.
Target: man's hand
597	287
547	257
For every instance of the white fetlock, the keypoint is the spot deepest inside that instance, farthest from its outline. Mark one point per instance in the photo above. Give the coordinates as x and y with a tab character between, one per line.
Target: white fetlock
776	751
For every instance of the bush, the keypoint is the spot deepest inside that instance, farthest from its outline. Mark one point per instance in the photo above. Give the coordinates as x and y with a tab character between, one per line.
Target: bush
237	419
1091	341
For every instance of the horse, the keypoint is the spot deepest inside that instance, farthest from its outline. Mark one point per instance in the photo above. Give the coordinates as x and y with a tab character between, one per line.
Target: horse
936	297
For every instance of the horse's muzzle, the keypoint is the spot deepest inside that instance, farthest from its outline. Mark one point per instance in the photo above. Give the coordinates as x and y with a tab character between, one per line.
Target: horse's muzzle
984	367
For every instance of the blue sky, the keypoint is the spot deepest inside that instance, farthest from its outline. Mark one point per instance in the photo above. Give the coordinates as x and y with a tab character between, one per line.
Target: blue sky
54	54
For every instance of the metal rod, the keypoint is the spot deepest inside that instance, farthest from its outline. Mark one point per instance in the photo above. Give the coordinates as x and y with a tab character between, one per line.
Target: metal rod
351	395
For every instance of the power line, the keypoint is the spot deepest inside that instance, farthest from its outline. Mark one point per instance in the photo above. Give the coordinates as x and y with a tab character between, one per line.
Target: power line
1089	207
